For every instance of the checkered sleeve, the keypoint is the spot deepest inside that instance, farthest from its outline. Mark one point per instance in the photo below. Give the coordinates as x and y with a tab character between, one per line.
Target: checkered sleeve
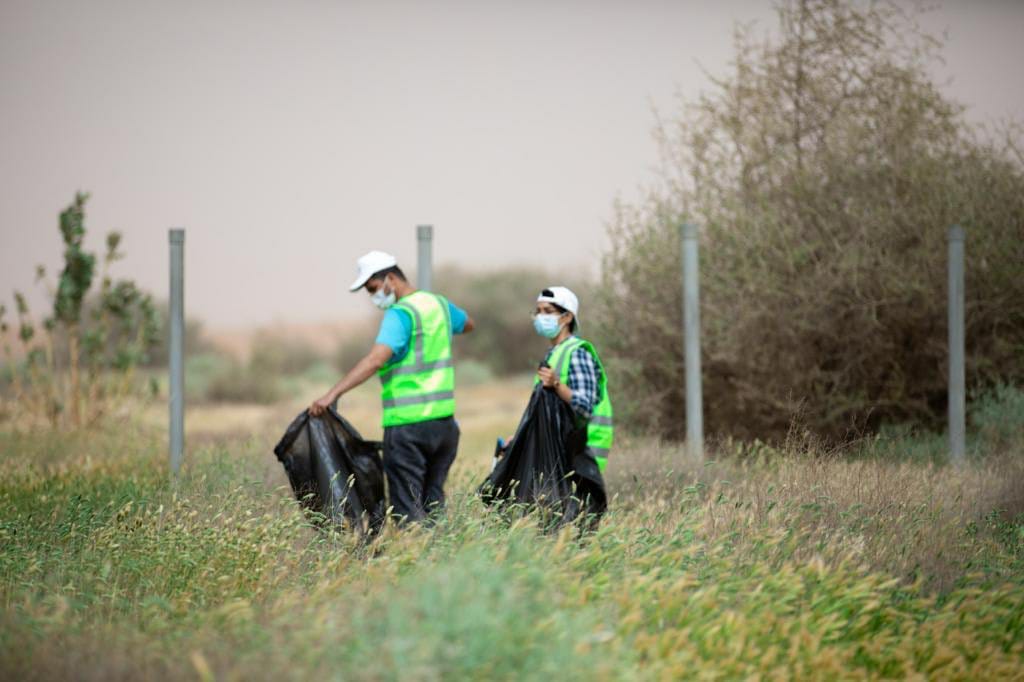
583	381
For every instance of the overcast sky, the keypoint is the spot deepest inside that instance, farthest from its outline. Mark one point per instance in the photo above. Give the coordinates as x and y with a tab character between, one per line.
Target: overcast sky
290	137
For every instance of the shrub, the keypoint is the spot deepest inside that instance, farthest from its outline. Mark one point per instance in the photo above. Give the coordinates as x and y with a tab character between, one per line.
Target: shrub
998	416
824	172
79	363
500	302
354	345
238	384
277	354
196	342
201	370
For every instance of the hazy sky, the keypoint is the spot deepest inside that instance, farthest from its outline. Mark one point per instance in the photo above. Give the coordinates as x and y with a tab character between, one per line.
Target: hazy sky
290	137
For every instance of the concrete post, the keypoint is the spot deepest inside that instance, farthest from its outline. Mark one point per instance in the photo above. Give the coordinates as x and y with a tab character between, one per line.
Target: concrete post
425	257
957	372
176	362
691	336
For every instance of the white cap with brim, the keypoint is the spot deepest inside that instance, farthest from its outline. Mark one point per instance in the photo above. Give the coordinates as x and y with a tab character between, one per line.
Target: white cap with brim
371	264
564	298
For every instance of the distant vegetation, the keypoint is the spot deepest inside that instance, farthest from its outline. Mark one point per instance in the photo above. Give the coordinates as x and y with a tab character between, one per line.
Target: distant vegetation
500	301
504	342
278	364
824	172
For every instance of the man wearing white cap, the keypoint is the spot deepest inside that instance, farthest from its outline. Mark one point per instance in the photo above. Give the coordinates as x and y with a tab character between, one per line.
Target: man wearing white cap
573	370
413	358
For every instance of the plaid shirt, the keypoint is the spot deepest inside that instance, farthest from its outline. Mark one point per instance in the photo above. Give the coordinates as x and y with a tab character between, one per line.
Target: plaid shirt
584	377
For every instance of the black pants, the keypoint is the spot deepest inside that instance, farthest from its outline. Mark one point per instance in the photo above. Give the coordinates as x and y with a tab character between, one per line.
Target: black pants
416	462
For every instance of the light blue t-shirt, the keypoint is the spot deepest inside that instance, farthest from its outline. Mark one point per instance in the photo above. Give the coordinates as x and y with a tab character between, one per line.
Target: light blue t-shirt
396	329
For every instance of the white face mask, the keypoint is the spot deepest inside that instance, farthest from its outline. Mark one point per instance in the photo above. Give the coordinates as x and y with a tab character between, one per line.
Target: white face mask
382	300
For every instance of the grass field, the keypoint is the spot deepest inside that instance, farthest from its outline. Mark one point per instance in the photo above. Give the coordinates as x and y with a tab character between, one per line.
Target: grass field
757	564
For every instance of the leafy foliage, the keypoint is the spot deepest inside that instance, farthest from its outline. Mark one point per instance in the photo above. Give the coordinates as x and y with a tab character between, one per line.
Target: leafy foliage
76	278
82	364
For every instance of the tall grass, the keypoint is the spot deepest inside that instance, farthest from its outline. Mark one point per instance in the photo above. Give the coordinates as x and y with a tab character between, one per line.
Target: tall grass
760	563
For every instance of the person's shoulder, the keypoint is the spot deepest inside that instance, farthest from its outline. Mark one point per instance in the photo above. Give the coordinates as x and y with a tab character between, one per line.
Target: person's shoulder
458	315
444	300
397	315
421	297
584	348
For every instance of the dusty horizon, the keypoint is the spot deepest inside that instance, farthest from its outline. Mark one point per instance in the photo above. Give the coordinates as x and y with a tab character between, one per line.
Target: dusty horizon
289	138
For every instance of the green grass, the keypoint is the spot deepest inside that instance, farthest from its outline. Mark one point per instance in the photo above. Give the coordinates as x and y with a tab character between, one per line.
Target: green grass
790	565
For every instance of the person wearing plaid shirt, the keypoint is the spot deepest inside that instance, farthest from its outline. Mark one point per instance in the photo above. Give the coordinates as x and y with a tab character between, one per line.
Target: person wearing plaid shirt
573	371
556	317
584	378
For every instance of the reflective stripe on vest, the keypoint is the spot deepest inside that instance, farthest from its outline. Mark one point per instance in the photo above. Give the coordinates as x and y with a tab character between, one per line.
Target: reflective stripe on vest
600	428
421	386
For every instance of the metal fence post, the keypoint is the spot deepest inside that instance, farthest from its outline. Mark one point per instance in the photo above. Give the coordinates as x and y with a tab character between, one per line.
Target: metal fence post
691	335
176	362
957	372
425	257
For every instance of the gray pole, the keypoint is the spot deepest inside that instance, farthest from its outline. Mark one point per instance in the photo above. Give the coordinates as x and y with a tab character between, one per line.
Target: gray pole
177	347
425	257
957	373
691	335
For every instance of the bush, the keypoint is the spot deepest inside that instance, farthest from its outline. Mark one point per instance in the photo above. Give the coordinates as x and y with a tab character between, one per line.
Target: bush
277	354
215	377
473	373
354	345
196	342
500	302
277	366
824	171
201	369
998	417
238	384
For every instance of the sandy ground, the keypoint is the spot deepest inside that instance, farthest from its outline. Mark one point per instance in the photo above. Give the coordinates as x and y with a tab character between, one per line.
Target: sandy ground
484	412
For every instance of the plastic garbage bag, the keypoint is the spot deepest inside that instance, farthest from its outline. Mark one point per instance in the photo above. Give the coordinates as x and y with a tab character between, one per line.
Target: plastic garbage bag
334	471
547	464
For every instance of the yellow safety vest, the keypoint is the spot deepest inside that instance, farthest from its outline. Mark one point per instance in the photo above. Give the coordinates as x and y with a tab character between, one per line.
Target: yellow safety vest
600	429
421	386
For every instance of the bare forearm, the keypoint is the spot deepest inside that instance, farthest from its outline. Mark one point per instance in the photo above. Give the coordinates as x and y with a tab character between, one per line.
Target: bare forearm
363	370
550	380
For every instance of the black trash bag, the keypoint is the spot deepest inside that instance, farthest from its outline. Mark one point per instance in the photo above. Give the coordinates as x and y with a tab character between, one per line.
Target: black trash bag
547	465
333	471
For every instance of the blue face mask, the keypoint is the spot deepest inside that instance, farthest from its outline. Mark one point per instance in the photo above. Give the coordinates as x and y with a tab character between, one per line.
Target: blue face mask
547	325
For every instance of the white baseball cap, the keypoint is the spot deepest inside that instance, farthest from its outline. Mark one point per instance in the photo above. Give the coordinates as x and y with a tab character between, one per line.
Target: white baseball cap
562	297
369	265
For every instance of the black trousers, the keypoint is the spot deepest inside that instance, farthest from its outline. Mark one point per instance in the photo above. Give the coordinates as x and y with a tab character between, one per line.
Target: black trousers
417	458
